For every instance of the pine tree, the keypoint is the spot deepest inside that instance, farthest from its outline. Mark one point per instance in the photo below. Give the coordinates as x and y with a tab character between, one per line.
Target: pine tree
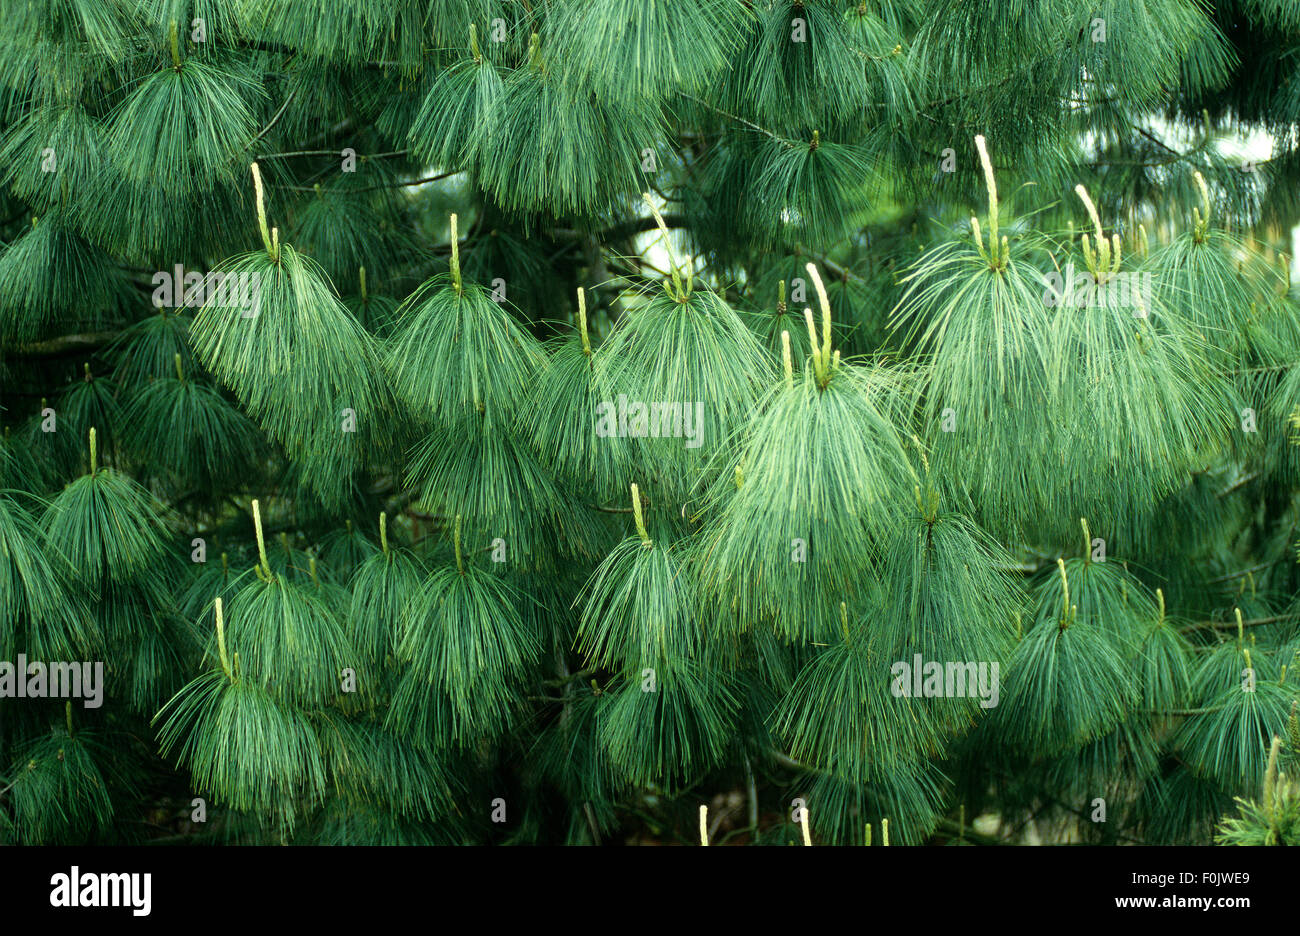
523	421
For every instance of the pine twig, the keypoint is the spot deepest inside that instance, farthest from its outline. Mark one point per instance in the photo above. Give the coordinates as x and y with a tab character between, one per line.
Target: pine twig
274	120
740	120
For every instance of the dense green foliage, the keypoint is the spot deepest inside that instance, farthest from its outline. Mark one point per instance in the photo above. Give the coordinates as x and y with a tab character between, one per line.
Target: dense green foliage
527	421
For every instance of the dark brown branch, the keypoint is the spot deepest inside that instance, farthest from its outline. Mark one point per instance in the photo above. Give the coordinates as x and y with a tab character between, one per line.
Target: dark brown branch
1235	575
334	153
274	120
1232	625
66	344
740	120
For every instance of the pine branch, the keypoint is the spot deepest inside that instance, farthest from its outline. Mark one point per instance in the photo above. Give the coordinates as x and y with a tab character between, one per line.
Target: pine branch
741	120
66	344
333	153
1243	572
1232	625
274	119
